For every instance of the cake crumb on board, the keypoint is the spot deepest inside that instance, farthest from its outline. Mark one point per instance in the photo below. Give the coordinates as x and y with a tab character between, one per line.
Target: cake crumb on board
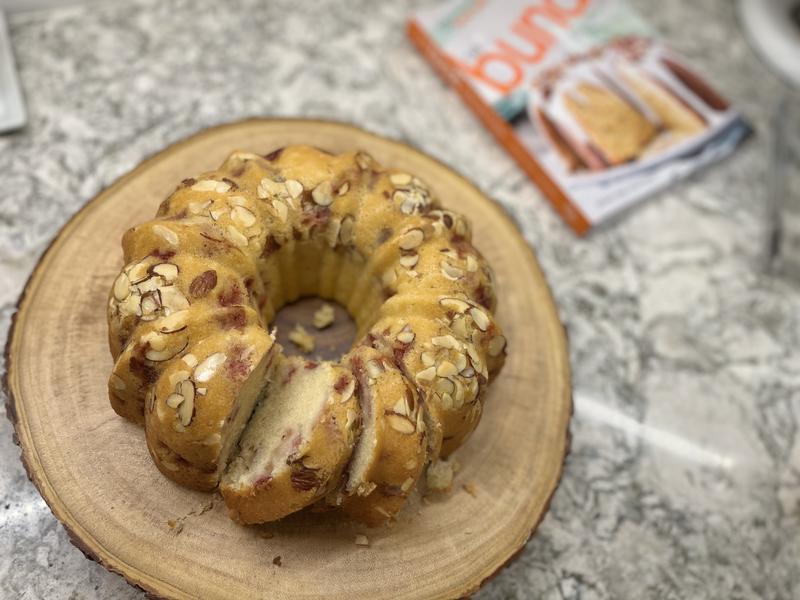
470	488
302	339
439	477
324	316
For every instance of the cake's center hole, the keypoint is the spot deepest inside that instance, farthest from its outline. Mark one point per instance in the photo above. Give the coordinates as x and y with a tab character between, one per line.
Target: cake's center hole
330	342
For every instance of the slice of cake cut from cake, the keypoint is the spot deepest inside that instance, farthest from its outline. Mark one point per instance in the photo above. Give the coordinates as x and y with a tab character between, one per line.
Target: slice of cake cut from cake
297	443
201	402
392	448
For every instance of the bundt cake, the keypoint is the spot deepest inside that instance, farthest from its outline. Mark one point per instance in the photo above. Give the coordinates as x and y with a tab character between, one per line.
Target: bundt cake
222	405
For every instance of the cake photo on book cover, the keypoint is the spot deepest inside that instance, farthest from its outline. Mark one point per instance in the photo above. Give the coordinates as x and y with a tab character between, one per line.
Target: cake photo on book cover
624	101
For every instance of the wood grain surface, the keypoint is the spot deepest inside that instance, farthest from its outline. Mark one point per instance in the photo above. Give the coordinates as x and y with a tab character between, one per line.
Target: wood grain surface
93	470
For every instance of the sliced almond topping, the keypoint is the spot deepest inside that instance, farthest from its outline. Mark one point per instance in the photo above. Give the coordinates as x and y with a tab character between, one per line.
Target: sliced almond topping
186	408
480	318
190	360
411	239
454	304
236	237
476	360
400	178
216	213
408	205
346	230
323	194
201	391
138	272
446	369
154	340
243	217
400	424
363	160
409	261
374	369
446	401
174	400
472	387
460	361
205	185
176	377
198	208
347	392
444	386
407	484
401	407
267	187
459	327
496	345
428	359
186	388
122	287
472	264
451	272
281	209
170	236
166	270
237	201
149	305
332	232
446	341
174	322
116	382
131	305
172	299
344	188
362	540
294	187
149	285
206	369
411	463
154	355
458	396
405	337
426	375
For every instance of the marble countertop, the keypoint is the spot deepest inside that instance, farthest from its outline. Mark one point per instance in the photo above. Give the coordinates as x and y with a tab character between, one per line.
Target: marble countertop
684	476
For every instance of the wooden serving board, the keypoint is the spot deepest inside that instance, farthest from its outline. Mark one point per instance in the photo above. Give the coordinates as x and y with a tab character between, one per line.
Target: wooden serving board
93	470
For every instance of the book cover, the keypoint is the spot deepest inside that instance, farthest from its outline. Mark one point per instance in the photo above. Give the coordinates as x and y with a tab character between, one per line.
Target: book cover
596	109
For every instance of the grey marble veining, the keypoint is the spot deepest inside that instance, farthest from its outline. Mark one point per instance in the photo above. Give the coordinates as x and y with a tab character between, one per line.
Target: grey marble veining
684	476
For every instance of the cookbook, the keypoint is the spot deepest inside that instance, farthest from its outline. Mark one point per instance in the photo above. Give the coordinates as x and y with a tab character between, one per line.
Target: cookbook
597	110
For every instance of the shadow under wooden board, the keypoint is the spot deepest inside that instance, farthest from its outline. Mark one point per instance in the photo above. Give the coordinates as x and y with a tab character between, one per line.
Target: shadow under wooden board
93	469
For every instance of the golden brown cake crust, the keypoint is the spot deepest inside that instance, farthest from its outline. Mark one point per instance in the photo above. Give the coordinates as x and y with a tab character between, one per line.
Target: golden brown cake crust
229	248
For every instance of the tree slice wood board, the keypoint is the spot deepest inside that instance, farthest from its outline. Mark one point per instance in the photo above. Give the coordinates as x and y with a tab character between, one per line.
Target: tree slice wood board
93	469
